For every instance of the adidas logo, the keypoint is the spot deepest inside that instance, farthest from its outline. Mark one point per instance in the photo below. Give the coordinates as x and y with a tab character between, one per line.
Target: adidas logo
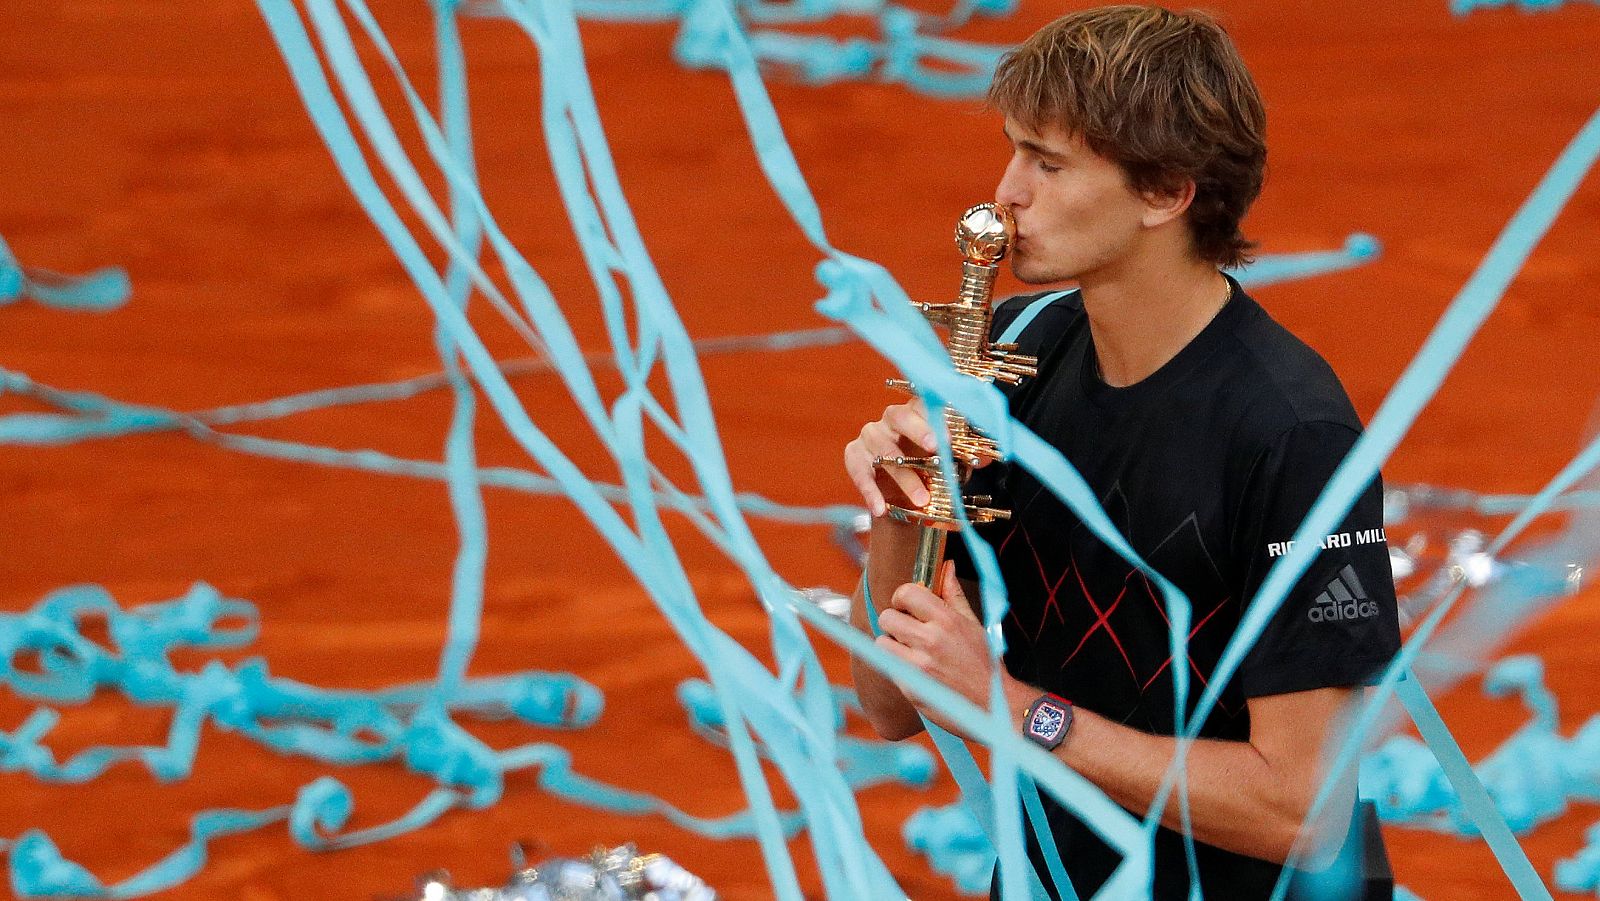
1344	598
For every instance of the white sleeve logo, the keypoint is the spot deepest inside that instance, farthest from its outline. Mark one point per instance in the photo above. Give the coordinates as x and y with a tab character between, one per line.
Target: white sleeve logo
1337	539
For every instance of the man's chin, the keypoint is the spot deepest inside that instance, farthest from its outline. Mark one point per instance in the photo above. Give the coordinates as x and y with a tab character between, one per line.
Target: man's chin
1031	275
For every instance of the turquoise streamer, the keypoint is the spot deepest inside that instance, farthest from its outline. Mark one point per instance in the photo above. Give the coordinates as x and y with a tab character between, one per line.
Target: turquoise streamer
975	794
1359	249
129	419
1370	712
631	408
10	275
1104	815
912	50
852	282
323	807
38	870
297	52
1046	840
99	291
314	722
906	54
1448	340
1530	581
465	491
1581	871
955	843
838	846
1531	776
1463	7
429	741
1025	318
1512	859
1459	499
102	417
864	763
788	717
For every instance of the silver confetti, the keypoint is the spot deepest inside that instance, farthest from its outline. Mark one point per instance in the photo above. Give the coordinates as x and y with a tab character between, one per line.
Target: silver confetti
617	874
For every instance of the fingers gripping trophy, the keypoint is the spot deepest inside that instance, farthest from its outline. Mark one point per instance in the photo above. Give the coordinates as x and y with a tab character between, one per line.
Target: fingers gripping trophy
984	237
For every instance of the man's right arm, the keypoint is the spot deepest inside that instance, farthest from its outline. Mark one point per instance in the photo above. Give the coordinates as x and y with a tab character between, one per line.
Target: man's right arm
891	550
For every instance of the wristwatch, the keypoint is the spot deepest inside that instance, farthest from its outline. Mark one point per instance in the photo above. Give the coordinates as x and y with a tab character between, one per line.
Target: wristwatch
1047	720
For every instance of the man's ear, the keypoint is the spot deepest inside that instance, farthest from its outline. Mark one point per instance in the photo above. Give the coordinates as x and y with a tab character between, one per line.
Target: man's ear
1166	203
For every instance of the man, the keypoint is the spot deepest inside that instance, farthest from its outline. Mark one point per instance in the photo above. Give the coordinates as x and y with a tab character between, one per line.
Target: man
1206	430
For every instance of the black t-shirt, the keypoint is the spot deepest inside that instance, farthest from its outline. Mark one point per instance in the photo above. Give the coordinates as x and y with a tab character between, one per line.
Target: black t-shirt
1207	467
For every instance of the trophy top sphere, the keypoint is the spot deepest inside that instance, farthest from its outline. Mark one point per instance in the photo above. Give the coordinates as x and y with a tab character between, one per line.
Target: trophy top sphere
984	233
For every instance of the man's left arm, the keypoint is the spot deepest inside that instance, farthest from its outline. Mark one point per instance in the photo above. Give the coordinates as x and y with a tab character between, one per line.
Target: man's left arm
1250	797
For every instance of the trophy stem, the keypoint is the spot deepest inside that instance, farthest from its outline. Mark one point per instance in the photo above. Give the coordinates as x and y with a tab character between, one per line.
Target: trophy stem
983	236
930	553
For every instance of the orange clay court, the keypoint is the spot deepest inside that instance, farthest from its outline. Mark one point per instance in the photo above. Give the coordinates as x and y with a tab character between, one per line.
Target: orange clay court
165	137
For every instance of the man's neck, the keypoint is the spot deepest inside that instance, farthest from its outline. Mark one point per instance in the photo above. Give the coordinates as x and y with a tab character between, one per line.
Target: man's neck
1141	315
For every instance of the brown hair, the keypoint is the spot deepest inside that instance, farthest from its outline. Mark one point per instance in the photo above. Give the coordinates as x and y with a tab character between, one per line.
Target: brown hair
1163	95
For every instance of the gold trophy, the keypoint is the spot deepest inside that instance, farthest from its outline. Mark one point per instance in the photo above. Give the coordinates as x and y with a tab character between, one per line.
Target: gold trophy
983	236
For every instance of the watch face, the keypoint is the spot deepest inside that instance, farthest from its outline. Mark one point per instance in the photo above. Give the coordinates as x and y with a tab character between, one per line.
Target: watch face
1049	719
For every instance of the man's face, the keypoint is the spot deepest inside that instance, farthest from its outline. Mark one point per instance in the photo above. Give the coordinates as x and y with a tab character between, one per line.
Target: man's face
1075	212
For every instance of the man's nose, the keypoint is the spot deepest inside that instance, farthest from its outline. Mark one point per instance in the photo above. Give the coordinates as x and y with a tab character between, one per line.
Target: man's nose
1012	190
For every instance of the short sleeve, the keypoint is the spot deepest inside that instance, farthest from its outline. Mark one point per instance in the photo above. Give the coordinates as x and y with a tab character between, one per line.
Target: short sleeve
1339	625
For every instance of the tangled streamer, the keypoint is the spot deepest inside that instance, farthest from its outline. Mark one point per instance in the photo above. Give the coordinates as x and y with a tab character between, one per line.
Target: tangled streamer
1532	776
409	723
1463	7
323	723
788	715
99	291
913	49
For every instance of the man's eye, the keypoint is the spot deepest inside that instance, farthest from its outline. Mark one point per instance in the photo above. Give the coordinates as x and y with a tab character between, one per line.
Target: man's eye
1046	167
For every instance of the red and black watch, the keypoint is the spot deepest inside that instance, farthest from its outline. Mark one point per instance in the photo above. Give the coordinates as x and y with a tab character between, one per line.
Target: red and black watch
1047	720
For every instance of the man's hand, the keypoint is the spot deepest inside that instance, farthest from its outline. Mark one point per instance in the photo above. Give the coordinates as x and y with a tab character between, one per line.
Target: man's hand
903	430
940	635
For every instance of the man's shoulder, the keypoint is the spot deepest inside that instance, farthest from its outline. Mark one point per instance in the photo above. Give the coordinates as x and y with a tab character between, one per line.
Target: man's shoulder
1060	301
1281	380
1039	313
